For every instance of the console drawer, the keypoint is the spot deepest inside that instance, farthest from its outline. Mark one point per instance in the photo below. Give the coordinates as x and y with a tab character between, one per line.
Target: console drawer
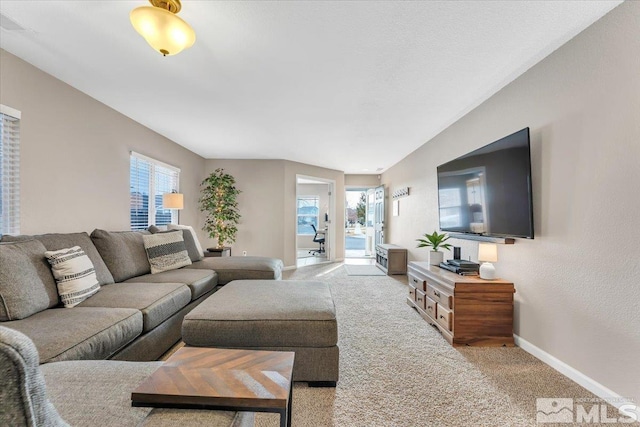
421	298
430	308
416	282
412	293
445	317
442	298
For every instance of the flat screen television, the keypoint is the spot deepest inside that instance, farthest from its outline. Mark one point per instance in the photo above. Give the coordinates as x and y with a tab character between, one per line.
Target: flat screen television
488	191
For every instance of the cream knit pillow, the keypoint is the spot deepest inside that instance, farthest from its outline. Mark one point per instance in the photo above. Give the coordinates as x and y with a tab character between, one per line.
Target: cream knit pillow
74	274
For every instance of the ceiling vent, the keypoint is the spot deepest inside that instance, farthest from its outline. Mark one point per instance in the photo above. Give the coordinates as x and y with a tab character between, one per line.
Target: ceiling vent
9	24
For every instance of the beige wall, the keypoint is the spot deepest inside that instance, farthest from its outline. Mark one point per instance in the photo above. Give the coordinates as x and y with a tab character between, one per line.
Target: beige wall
74	155
261	204
322	191
361	180
268	205
577	282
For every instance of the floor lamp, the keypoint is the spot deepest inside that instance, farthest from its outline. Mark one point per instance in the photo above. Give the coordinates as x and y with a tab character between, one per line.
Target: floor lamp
173	201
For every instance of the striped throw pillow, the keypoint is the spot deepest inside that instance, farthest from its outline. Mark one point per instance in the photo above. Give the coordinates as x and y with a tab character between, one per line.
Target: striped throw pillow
166	251
74	274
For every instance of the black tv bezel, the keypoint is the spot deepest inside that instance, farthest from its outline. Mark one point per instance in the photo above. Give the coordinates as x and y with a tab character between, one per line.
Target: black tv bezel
529	187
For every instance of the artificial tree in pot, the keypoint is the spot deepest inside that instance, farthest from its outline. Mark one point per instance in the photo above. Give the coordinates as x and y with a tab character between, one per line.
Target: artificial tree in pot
218	201
435	241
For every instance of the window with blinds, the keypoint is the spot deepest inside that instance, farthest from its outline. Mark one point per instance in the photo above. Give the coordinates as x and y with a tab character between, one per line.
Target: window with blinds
9	171
308	212
149	180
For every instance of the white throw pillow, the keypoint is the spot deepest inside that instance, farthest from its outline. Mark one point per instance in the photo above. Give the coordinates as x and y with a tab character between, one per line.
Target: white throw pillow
193	233
166	251
74	273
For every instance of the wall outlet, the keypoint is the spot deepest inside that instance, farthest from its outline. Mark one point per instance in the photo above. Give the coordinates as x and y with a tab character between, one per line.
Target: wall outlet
244	253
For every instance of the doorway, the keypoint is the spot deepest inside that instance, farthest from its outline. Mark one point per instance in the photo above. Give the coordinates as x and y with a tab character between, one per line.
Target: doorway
359	223
314	233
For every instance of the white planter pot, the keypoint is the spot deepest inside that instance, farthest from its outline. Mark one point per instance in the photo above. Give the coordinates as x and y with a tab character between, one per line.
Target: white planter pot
435	257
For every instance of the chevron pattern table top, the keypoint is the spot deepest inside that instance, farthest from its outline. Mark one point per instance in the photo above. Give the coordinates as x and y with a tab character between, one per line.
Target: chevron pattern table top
220	378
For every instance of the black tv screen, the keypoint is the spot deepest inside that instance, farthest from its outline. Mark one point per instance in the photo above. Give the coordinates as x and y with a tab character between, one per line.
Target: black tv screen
488	191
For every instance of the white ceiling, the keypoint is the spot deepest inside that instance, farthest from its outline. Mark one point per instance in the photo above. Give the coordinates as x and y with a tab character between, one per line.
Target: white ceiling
353	86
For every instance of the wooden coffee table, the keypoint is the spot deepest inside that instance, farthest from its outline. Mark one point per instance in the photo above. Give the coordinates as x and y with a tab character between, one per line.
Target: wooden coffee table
212	378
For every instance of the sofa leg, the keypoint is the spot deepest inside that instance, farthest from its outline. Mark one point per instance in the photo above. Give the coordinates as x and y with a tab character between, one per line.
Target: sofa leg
322	383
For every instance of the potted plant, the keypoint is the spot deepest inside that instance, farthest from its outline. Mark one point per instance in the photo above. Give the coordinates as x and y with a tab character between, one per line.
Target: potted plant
218	201
435	241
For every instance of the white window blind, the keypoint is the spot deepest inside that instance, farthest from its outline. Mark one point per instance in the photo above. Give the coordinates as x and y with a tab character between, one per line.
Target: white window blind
9	171
149	180
308	211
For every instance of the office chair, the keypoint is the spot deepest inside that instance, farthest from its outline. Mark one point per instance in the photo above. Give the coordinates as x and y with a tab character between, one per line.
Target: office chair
318	238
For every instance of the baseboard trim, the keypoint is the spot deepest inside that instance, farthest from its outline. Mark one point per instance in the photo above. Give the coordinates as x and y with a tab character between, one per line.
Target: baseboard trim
570	372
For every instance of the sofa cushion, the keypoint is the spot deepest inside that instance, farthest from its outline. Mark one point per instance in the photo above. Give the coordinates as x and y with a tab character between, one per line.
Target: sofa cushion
123	253
166	251
264	313
242	267
23	396
81	333
191	240
57	241
26	282
98	393
74	274
156	301
199	281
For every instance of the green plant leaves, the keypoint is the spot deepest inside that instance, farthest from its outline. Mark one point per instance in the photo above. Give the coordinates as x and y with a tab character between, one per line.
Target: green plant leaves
434	241
219	201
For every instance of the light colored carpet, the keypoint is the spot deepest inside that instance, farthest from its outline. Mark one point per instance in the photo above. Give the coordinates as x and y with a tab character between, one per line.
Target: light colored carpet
396	370
363	270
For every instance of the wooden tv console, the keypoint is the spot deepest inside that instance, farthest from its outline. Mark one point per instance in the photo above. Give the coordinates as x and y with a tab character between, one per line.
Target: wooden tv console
467	310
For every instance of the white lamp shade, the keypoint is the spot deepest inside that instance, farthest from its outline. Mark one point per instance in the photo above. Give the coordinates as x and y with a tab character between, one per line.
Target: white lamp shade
488	252
163	30
173	201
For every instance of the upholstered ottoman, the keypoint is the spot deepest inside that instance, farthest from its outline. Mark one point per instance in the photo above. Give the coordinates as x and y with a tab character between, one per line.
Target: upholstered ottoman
284	315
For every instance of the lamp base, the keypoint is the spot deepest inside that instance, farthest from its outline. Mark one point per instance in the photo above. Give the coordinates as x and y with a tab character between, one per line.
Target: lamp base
487	271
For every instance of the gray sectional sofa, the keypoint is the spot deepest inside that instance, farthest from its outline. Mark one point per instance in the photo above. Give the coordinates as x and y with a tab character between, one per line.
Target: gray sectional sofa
85	393
136	316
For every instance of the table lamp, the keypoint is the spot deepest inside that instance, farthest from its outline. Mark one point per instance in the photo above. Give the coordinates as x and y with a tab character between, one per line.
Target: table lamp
173	200
487	253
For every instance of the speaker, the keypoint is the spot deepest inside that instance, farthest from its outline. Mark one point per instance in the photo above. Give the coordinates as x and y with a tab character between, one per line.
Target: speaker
456	252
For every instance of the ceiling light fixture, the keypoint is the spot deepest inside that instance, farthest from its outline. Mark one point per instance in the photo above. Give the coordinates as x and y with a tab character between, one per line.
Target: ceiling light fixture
162	28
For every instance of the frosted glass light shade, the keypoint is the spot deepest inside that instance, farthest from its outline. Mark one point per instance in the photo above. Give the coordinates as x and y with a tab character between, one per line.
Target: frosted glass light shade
163	30
488	252
173	201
